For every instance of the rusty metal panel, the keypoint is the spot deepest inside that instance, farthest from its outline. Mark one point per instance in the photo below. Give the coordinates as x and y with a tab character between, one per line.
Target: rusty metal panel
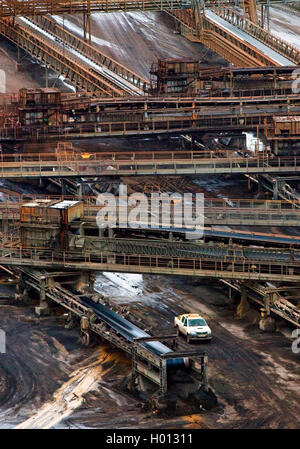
287	125
73	210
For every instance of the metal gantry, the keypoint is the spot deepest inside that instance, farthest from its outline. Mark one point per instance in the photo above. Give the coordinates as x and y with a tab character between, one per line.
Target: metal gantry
233	36
47	165
145	360
58	58
14	8
80	117
231	266
244	212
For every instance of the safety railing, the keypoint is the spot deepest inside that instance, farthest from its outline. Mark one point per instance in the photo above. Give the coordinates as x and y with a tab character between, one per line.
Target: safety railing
92	52
227	269
13	8
279	45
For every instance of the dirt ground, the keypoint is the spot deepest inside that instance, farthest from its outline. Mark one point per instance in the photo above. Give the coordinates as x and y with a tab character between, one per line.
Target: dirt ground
138	39
15	79
286	24
255	375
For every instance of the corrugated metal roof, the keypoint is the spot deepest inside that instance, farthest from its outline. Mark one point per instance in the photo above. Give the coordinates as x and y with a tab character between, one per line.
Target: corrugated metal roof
65	204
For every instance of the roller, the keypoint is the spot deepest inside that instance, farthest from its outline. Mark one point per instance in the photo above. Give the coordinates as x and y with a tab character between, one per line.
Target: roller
129	331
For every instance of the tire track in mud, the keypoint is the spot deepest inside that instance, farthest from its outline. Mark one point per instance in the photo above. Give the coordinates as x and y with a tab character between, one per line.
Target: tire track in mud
242	377
33	366
255	375
244	383
70	395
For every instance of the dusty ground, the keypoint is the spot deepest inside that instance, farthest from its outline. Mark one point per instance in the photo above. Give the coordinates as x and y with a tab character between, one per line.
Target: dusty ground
138	39
15	79
255	375
34	349
286	24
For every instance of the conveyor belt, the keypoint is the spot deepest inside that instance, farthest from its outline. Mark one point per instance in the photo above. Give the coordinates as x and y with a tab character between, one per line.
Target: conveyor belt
278	58
253	236
231	234
190	250
99	70
127	329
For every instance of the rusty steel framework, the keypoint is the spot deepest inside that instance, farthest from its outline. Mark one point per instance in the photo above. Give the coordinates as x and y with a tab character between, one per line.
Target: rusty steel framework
186	77
140	164
233	267
14	8
250	7
196	26
58	59
136	83
281	301
144	361
12	133
278	300
86	117
245	212
281	47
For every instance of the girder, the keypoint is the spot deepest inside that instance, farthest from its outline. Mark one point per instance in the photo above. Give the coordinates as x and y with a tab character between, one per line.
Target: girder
131	263
206	26
88	117
40	166
125	78
57	58
216	212
13	8
281	47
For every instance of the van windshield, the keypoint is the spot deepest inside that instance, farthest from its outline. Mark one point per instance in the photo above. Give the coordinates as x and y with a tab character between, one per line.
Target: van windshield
197	322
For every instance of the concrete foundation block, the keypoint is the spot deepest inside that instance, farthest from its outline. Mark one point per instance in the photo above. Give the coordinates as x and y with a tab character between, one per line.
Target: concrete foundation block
42	310
267	324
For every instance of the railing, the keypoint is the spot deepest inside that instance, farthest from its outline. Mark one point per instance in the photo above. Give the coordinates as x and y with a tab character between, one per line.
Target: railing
92	52
279	45
108	167
229	269
216	211
60	60
13	8
135	128
15	201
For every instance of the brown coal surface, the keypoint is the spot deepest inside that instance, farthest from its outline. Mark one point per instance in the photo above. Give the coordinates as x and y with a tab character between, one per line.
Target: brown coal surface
15	79
138	39
40	355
